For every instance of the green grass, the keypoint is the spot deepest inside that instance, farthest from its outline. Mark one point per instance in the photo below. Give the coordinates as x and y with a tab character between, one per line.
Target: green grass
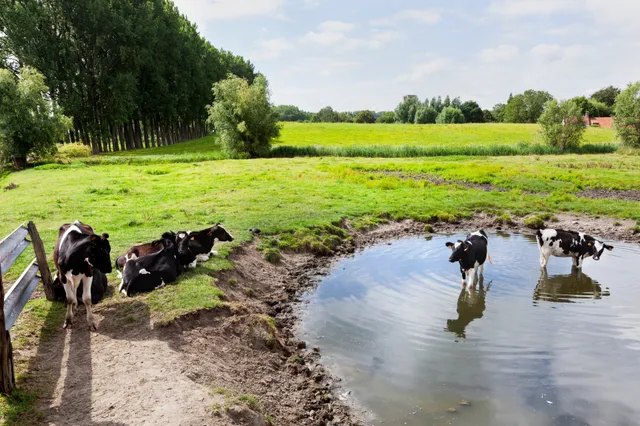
451	135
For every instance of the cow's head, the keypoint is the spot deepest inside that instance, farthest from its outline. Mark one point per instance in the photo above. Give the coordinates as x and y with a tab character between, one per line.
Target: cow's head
596	248
457	250
99	251
217	231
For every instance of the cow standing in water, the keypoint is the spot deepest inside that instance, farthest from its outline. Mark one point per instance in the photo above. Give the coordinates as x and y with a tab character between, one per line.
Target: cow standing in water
577	245
471	254
77	253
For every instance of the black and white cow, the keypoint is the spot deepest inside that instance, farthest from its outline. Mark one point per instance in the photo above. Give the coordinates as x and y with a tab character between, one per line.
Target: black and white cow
577	245
99	286
151	271
471	254
200	243
78	252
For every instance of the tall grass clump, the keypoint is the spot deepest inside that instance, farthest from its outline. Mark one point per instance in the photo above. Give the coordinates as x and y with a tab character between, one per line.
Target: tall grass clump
286	151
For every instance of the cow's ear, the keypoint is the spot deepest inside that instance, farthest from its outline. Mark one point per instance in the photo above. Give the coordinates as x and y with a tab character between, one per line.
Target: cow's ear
589	243
449	245
155	243
210	233
192	238
218	224
466	248
93	238
105	236
609	248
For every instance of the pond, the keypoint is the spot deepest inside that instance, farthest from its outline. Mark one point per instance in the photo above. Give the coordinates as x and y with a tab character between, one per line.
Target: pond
527	348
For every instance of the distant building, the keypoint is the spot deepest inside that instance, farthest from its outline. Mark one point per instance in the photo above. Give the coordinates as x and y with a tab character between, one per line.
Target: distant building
605	122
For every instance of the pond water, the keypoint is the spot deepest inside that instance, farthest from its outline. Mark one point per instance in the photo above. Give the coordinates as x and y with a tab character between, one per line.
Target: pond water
525	349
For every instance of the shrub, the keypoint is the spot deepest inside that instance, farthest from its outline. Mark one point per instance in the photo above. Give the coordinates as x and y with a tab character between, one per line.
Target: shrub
243	117
534	222
562	124
387	118
450	115
626	119
30	122
426	115
74	150
365	116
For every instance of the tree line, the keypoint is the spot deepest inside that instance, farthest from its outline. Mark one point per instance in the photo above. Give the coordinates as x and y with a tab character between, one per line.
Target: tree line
129	73
525	107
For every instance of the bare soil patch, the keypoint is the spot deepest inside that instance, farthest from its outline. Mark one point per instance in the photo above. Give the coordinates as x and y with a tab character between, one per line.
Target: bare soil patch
622	194
235	365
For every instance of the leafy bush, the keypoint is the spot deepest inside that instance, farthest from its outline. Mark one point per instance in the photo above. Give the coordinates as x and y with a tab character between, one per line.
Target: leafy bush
387	118
364	116
472	112
74	150
562	124
450	115
426	115
30	122
627	115
534	222
243	117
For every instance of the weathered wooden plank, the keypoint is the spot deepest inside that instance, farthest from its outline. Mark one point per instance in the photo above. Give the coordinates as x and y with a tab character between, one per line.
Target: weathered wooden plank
13	246
19	294
7	378
45	273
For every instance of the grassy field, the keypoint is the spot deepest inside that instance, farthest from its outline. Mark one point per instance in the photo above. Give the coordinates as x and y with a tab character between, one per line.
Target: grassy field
455	135
144	193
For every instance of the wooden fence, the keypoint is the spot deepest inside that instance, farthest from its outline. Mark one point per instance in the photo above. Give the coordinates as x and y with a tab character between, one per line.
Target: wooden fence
12	303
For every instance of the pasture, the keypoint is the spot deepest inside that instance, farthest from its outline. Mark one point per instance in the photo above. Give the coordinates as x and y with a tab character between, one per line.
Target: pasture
138	195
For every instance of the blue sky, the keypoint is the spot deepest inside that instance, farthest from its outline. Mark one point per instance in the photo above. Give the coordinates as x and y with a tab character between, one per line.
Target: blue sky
354	54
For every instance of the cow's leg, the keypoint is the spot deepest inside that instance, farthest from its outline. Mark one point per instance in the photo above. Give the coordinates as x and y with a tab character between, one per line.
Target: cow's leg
578	262
481	269
464	277
86	299
213	252
544	259
471	273
193	264
72	301
202	257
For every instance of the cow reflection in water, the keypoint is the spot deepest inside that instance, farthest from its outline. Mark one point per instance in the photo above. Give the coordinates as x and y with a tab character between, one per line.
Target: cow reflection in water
471	305
567	288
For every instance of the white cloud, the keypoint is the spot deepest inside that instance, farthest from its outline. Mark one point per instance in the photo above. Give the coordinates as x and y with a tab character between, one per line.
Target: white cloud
332	33
420	71
422	16
203	11
272	48
533	7
554	52
504	52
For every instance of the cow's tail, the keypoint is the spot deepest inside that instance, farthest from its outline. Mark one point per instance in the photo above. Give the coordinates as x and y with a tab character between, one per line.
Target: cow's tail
489	258
539	237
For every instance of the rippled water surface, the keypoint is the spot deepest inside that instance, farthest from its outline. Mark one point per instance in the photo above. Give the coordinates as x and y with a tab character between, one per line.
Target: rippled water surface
525	349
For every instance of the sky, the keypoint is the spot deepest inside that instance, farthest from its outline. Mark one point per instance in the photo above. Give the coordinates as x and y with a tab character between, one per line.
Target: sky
356	54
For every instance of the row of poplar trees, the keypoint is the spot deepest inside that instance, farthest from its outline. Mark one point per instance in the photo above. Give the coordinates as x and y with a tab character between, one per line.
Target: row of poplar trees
131	73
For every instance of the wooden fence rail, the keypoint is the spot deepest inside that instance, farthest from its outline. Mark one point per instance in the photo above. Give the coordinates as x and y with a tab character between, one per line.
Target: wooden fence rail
12	303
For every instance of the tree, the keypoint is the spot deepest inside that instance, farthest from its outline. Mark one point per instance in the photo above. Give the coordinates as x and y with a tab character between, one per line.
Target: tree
406	110
426	115
488	116
516	110
291	113
456	102
498	112
472	112
606	95
326	115
562	124
593	107
626	118
30	122
243	117
364	116
387	117
447	102
450	115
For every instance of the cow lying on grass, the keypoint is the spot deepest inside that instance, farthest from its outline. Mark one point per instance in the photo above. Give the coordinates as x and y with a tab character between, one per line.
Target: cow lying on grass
151	271
191	247
577	245
471	254
77	254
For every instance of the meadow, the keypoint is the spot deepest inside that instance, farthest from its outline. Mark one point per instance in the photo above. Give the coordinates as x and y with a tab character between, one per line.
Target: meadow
296	202
451	135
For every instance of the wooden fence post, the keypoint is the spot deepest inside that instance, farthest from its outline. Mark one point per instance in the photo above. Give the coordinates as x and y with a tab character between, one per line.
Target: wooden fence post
41	257
7	378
